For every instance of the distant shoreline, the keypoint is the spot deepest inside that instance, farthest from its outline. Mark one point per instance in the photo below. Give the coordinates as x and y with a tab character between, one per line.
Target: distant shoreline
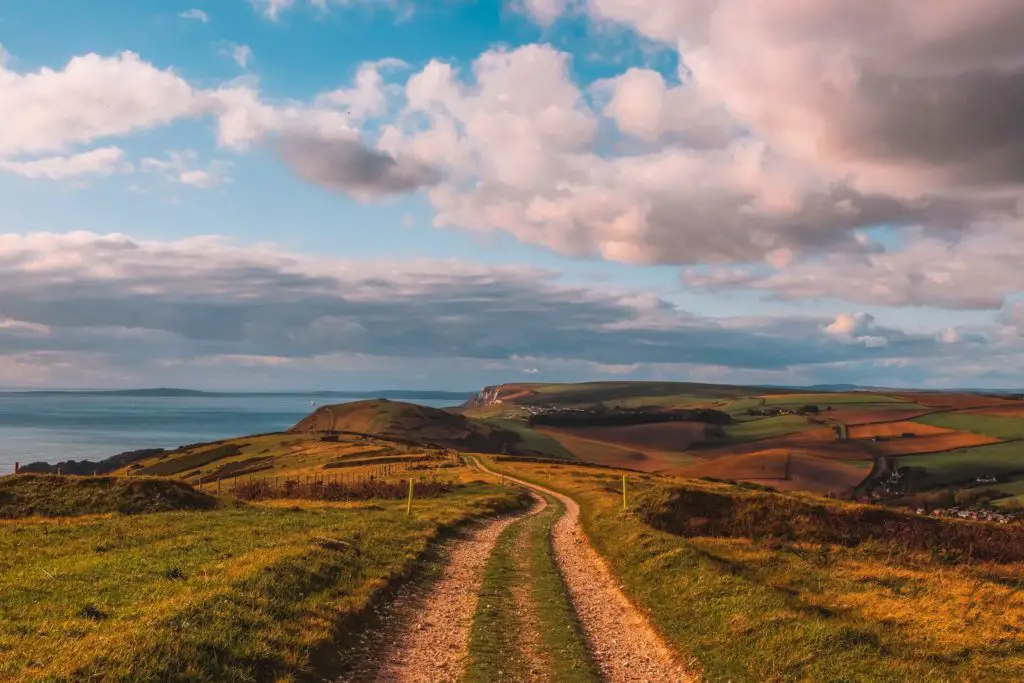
190	393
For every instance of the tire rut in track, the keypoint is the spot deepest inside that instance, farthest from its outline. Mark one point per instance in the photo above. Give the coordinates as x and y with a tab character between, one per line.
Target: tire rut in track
425	630
623	643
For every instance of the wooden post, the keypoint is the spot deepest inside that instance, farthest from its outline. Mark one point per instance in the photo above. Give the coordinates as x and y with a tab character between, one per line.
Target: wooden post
624	503
218	486
17	467
408	506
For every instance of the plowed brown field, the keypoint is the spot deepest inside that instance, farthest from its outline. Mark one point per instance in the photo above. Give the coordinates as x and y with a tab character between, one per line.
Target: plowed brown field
806	473
859	417
894	429
931	444
666	436
819	442
636	457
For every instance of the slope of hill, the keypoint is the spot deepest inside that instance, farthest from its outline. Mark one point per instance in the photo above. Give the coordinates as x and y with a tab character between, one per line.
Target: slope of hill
26	495
411	423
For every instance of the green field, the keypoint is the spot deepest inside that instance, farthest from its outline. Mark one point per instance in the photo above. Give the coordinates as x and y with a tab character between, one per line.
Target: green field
542	444
966	463
598	392
998	426
767	427
236	593
831	399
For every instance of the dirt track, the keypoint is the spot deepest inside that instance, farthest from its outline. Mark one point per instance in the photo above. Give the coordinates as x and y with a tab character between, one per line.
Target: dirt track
426	633
623	643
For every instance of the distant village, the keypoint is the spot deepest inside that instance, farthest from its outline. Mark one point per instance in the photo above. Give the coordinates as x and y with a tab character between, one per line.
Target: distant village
976	514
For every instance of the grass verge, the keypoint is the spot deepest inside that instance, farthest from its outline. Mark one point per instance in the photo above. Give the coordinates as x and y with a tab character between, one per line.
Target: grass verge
233	594
563	643
771	610
494	641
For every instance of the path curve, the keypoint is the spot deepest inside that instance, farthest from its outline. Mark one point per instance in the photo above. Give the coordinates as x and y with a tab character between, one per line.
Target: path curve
428	638
625	646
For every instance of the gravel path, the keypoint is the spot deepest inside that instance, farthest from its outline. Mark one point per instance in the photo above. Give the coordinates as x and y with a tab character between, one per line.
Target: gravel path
425	634
624	645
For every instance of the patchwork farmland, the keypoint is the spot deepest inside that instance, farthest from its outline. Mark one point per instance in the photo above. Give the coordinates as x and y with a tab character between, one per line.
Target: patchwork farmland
832	441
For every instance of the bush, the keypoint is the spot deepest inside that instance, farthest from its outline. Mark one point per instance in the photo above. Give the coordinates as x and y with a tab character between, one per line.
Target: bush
753	514
336	491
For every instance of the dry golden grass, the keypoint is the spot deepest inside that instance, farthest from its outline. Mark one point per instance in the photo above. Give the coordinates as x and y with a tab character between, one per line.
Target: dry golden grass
754	610
234	593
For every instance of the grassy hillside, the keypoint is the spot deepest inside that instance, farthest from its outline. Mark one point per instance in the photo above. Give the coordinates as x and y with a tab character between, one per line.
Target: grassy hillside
256	592
618	392
1000	427
26	495
423	425
964	464
756	604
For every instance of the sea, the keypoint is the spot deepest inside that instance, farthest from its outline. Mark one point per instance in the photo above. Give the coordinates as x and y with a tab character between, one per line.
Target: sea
55	426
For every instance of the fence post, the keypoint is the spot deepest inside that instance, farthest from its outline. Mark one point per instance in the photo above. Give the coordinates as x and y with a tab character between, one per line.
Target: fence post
408	506
17	467
218	486
624	504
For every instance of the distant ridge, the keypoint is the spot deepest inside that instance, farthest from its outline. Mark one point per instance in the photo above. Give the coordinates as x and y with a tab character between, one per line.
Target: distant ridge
187	393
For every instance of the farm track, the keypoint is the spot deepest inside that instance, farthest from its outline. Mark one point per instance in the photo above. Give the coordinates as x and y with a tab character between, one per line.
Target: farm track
622	642
425	633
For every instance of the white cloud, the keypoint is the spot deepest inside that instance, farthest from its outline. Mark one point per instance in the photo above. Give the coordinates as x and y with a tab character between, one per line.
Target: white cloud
180	166
273	9
92	97
856	328
196	15
242	54
370	94
544	12
975	270
9	324
102	161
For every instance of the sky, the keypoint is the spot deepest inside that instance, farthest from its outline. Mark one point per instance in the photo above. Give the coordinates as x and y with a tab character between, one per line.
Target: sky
446	194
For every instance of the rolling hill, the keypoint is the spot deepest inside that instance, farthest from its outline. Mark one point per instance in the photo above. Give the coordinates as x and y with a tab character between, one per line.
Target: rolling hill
407	422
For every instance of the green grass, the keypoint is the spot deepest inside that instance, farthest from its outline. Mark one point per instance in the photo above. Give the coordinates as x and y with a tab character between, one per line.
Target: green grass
670	401
966	463
563	643
754	611
232	594
532	440
494	641
832	399
496	647
597	392
767	427
997	426
51	495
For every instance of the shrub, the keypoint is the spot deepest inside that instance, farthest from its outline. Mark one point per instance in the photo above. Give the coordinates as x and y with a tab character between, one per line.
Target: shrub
761	515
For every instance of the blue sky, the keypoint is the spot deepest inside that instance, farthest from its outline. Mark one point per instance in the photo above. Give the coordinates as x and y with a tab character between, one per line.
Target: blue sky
543	151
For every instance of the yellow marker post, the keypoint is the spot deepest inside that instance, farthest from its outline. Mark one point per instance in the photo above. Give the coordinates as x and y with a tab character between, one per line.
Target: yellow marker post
408	507
624	492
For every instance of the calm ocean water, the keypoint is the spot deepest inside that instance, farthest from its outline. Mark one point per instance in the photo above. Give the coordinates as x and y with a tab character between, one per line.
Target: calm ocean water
54	427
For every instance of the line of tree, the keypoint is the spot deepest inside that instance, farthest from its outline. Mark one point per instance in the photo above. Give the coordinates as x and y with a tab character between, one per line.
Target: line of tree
595	417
